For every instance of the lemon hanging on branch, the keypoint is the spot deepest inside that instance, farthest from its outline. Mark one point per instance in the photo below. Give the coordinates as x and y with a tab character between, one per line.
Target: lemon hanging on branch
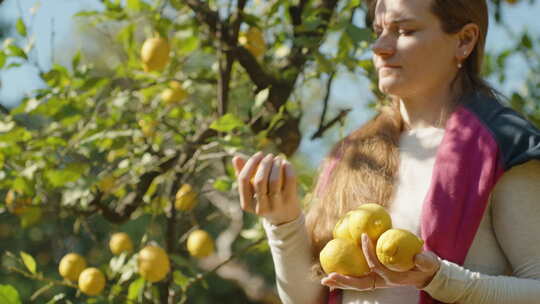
253	41
91	281
155	54
120	242
174	94
71	266
153	263
186	198
200	244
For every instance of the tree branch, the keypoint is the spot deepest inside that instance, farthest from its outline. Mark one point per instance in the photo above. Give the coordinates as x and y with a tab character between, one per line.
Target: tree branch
323	129
255	71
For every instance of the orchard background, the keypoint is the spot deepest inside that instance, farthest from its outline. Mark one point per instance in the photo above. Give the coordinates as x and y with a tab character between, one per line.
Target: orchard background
90	145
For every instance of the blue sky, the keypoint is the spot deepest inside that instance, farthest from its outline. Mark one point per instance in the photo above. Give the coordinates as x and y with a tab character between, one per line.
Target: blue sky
57	15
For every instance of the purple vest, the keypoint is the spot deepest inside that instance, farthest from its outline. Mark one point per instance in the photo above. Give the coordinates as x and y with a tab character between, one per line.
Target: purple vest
482	140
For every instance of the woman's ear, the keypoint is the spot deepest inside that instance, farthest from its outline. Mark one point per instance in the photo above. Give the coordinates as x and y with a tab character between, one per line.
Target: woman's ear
467	38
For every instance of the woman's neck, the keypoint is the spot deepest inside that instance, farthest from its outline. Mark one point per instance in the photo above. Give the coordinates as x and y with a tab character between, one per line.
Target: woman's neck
426	111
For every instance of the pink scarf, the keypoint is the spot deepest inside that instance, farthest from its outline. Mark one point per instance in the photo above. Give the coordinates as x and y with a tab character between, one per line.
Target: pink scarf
482	140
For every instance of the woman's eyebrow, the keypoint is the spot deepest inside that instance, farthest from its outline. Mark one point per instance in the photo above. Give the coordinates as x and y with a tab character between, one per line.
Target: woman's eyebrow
397	20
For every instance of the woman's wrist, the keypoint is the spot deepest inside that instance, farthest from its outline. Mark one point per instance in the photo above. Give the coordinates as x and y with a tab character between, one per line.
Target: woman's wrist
429	276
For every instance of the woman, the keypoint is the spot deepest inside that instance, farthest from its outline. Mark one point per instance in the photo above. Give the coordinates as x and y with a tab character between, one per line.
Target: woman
445	158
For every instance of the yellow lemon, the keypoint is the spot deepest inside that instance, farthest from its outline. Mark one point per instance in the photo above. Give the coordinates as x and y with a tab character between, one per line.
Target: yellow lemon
71	266
186	198
368	218
253	41
341	230
91	281
155	54
174	93
153	263
148	128
344	257
107	184
16	203
396	249
120	242
200	244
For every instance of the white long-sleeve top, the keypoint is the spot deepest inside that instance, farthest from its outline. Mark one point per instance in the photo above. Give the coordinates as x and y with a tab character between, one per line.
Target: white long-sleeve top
502	265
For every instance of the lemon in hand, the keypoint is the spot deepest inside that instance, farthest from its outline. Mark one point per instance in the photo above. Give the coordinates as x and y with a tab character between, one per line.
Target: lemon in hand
71	266
120	242
153	263
372	219
396	249
200	244
91	281
341	230
344	257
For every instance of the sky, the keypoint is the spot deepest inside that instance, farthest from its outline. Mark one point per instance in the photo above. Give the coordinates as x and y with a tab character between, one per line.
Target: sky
52	23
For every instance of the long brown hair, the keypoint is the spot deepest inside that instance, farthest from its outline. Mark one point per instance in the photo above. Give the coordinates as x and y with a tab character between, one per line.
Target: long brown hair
362	167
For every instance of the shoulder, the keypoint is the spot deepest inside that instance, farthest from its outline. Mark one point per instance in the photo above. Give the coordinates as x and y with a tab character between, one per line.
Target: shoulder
523	178
518	139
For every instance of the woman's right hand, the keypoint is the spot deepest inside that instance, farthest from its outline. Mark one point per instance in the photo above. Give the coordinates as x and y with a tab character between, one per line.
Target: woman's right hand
267	187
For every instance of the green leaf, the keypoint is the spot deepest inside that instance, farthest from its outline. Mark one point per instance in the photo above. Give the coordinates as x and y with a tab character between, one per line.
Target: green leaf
134	5
9	295
261	97
28	261
21	28
180	279
227	123
223	184
3	58
16	51
526	41
76	60
358	34
135	288
22	185
59	178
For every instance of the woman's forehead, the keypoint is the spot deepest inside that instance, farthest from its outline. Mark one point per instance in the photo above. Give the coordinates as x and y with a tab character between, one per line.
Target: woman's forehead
397	10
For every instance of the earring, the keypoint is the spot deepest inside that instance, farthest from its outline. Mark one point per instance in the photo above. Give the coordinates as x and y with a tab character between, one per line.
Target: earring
459	65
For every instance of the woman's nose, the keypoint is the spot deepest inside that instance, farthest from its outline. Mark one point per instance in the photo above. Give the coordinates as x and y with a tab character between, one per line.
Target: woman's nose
383	46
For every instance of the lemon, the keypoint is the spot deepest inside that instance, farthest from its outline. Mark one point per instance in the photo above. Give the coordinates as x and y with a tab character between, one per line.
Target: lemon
368	218
107	184
200	244
91	281
186	198
16	203
71	266
344	257
253	41
396	249
341	230
153	263
148	128
155	54
120	242
174	93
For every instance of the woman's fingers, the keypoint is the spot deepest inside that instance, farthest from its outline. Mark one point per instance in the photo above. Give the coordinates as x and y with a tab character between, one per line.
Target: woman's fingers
289	181
366	282
244	185
260	183
238	163
275	180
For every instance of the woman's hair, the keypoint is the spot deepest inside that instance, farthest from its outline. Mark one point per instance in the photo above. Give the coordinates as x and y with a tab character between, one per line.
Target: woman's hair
362	168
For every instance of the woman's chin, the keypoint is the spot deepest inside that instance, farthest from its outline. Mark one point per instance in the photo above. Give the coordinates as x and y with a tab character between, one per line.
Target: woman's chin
390	87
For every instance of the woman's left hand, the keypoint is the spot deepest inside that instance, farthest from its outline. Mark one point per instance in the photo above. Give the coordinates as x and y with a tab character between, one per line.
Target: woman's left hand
427	265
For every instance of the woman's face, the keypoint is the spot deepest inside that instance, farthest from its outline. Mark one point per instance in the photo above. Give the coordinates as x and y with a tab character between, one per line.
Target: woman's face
412	55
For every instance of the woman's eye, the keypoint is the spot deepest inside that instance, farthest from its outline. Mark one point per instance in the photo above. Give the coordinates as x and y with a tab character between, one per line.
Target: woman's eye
405	32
